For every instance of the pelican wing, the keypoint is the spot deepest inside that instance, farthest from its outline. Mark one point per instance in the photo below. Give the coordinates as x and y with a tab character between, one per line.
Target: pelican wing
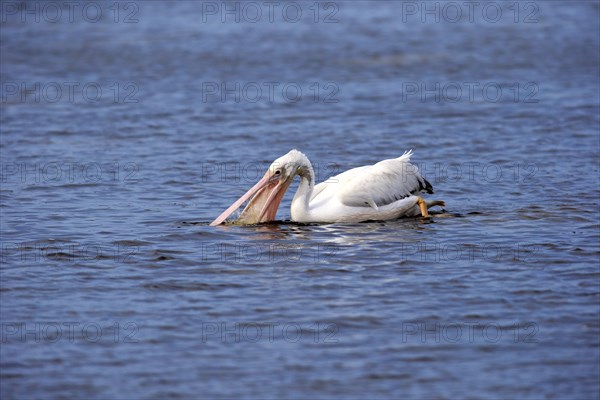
380	184
325	190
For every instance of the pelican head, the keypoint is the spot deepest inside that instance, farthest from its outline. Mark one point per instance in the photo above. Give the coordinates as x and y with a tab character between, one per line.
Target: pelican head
268	192
291	164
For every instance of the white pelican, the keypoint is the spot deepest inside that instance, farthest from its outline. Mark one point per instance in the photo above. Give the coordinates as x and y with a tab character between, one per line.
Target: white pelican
384	191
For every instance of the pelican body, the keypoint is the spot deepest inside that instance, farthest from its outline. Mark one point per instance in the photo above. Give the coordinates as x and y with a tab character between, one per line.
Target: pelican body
383	191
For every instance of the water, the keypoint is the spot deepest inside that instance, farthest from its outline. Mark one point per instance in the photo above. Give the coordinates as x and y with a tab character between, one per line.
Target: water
114	285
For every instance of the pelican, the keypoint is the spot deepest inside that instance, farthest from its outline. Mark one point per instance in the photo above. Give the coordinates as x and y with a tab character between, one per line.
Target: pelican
383	191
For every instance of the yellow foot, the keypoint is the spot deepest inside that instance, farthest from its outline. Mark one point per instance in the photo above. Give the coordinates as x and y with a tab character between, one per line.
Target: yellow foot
423	207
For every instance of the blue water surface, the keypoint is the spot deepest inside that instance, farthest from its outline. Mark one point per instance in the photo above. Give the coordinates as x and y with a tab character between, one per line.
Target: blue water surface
127	127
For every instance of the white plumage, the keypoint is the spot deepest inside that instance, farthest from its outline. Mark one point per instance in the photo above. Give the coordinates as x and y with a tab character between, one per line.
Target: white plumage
386	190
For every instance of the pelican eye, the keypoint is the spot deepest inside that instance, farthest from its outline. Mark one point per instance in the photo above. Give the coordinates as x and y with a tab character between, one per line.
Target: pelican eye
277	172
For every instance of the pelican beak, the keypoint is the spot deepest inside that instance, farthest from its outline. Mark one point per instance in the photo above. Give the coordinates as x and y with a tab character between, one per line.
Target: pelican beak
267	195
